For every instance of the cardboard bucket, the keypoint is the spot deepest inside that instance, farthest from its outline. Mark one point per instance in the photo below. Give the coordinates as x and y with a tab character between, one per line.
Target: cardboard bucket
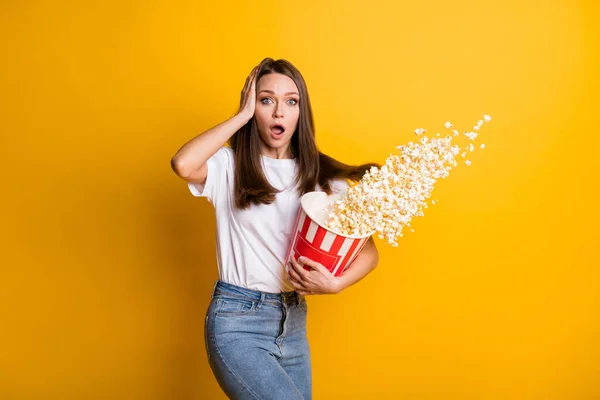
312	240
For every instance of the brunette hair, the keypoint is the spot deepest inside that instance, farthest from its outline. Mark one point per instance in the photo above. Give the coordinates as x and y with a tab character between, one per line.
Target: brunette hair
251	185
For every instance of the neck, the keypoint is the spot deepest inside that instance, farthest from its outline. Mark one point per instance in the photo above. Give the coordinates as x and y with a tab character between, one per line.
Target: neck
279	153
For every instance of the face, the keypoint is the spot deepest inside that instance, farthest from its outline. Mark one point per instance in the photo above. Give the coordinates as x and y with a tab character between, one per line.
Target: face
277	111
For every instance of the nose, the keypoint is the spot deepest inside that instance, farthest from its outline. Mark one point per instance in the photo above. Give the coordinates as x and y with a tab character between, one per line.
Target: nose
278	112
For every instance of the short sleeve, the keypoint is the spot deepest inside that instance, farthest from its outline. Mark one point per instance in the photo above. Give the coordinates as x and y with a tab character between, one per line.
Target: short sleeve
339	186
219	166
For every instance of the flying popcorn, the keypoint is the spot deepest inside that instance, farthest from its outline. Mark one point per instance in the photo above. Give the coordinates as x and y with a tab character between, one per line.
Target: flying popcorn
471	135
386	199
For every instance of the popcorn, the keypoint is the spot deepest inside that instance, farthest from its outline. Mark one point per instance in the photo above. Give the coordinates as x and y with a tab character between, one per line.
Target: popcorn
386	199
482	146
448	125
471	135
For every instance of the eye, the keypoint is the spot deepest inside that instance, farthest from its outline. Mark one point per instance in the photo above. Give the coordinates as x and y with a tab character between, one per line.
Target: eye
263	100
294	101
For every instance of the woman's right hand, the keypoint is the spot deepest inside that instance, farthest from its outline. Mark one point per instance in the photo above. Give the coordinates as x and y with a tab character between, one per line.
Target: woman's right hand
190	160
249	95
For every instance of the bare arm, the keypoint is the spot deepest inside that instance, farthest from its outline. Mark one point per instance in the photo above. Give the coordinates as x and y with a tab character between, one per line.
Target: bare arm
363	264
189	162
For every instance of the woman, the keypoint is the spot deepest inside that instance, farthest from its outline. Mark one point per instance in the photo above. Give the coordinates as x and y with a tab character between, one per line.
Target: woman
255	328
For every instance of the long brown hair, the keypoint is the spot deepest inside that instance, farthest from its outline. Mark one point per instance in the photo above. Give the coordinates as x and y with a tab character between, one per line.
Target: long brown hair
314	167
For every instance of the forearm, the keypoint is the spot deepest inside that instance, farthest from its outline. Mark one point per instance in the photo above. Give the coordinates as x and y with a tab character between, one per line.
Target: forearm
363	264
193	154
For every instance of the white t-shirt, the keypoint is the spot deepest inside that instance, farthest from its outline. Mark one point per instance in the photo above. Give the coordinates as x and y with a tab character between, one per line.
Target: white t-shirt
252	243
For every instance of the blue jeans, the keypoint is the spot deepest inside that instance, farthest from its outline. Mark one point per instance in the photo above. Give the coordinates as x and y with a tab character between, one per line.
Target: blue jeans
256	343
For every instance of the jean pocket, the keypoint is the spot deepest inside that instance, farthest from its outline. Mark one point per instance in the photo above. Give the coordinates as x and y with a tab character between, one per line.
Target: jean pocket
234	306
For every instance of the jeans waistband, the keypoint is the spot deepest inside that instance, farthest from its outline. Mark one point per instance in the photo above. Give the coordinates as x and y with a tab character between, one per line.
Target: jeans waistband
233	291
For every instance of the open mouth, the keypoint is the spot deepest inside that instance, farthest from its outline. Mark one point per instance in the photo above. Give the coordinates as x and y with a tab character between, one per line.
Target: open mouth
277	129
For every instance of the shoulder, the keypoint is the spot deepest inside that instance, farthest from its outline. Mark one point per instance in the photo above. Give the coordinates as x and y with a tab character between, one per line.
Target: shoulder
339	185
224	155
226	151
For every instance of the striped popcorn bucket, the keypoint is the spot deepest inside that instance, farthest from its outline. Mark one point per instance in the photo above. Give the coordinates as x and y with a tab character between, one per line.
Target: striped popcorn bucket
312	240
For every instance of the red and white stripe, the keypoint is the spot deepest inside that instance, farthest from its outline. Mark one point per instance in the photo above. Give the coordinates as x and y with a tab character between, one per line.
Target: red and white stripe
334	252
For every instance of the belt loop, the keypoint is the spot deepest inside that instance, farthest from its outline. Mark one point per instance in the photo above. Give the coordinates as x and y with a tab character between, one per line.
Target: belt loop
261	300
214	288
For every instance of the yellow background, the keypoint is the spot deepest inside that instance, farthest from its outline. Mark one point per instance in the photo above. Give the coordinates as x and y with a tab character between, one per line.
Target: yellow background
108	261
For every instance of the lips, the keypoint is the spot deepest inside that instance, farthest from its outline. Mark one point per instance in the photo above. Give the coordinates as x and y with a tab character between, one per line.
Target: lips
277	129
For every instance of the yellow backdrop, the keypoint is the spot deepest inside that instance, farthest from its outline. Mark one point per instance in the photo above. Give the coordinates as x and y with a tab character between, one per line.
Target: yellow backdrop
108	261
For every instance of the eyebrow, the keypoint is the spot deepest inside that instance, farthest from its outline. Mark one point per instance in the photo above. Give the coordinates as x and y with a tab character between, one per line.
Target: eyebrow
272	92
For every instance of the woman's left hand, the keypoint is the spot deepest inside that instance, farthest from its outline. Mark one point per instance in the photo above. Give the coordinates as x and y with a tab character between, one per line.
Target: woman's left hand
316	281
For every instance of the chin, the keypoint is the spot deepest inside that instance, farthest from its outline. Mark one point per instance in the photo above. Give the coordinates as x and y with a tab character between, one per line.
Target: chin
277	145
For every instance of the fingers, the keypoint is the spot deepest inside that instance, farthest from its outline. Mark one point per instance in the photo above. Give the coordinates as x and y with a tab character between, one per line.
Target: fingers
297	273
309	262
299	277
252	76
252	88
250	85
250	80
295	280
299	269
314	265
247	84
296	284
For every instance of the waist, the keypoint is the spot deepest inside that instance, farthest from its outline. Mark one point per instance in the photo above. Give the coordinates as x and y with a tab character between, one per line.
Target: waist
233	291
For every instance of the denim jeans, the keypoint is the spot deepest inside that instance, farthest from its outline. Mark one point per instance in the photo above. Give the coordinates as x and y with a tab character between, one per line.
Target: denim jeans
256	343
